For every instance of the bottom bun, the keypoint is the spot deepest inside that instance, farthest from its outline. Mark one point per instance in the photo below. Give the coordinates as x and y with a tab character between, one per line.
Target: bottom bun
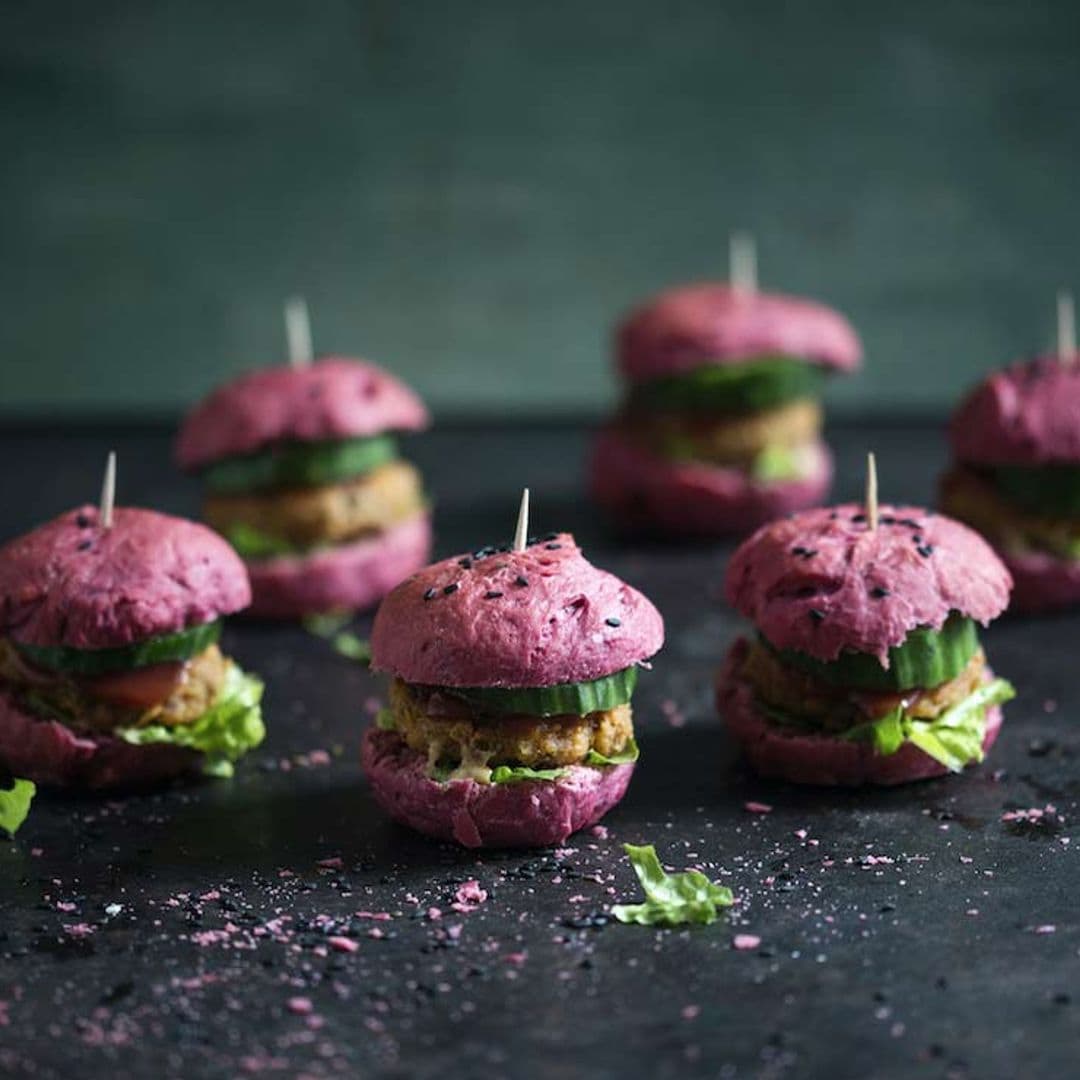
533	813
51	754
691	498
818	759
351	576
1042	582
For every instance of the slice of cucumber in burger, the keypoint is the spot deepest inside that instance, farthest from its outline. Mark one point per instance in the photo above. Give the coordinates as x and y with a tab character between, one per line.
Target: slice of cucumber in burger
924	659
737	388
182	645
1050	490
563	699
296	464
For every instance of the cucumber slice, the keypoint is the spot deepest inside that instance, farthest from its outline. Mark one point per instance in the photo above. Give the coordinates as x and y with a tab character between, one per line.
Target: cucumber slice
1051	490
564	699
182	645
297	464
926	658
737	388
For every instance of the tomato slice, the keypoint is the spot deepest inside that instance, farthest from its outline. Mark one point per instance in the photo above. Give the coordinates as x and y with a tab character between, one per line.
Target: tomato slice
140	688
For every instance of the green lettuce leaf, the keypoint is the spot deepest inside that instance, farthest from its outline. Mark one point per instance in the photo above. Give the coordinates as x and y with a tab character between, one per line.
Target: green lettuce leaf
252	543
954	738
626	756
515	774
384	720
671	899
224	733
776	463
326	624
353	647
15	804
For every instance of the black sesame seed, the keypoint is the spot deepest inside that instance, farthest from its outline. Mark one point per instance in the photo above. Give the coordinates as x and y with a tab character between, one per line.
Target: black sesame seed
521	580
916	539
451	588
82	521
552	547
833	516
887	519
926	550
431	594
84	545
911	523
492	594
612	621
804	552
816	615
858	518
550	536
879	592
465	563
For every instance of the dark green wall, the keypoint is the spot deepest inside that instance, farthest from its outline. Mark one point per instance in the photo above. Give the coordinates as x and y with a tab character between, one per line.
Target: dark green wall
470	192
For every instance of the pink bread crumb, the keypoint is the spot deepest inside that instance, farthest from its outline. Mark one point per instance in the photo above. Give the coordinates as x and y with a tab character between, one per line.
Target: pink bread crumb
745	942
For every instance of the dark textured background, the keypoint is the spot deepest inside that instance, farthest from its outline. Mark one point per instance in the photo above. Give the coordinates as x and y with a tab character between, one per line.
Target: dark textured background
905	934
469	192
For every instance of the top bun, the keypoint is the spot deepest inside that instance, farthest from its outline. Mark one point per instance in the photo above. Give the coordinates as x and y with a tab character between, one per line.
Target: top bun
72	582
499	618
713	323
332	398
822	582
1027	414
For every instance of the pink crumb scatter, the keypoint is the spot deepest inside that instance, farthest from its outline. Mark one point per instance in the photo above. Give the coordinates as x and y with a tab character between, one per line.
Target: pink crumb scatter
752	807
966	859
469	897
379	916
1045	928
376	932
213	894
372	705
1050	706
319	758
301	1006
454	932
434	913
1032	814
411	899
744	942
342	944
37	852
517	959
204	938
335	862
78	930
691	1012
802	834
65	905
600	832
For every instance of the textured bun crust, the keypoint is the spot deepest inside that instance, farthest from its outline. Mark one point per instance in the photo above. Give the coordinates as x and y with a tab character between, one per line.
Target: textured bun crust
528	814
690	499
333	398
71	582
351	577
533	618
819	759
51	754
712	323
823	581
1027	414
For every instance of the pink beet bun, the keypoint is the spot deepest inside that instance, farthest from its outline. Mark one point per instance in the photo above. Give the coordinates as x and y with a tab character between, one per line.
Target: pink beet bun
497	618
352	576
819	759
687	498
51	754
1042	582
712	323
1027	414
72	582
823	581
333	398
533	813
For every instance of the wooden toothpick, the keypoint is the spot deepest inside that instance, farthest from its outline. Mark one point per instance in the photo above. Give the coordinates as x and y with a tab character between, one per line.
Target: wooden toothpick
871	491
298	332
522	532
742	258
1066	320
108	492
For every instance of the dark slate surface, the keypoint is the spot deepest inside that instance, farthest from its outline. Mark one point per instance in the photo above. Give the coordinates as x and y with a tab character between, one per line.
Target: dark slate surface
903	933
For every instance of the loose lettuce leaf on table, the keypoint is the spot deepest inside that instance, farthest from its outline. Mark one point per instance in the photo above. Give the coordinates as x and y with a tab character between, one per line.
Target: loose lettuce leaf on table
15	799
671	899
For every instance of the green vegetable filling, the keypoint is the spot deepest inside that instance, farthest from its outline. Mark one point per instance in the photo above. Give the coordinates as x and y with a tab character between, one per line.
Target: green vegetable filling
925	658
299	464
182	645
563	699
223	734
671	899
752	386
15	799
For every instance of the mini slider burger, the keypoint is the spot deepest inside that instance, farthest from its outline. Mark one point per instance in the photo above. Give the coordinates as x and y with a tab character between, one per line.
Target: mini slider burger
719	430
303	478
110	671
509	722
1016	477
866	666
